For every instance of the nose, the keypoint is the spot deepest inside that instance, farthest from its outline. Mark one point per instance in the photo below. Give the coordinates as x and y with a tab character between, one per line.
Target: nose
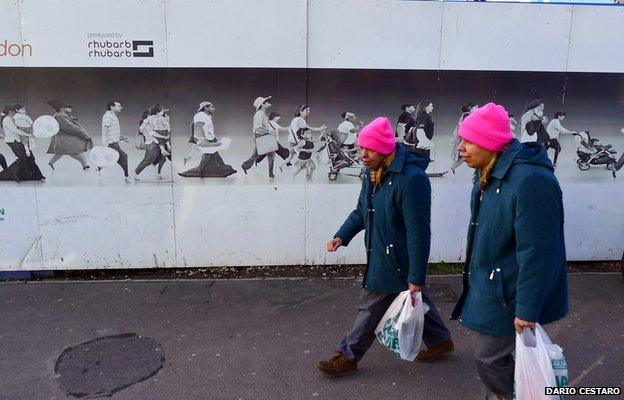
462	146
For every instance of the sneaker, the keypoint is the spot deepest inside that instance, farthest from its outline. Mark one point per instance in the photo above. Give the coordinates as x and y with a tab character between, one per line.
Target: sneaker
435	352
336	366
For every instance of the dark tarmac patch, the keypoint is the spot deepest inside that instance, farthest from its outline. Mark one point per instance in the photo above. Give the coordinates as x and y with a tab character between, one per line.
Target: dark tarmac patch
442	292
106	365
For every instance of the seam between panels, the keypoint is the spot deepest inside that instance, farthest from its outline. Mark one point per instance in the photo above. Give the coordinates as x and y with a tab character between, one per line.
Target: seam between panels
39	235
173	197
567	64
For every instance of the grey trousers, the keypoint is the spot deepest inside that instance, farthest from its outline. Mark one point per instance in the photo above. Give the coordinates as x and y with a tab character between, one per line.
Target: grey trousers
495	363
371	308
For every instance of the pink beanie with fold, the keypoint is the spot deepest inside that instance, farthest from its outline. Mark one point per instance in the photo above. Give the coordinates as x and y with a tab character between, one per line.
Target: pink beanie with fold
487	127
378	136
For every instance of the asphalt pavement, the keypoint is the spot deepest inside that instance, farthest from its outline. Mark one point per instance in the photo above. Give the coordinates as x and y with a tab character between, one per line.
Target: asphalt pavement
256	339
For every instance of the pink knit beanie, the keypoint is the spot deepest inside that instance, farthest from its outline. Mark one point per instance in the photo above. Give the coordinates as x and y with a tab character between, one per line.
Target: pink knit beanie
487	127
378	136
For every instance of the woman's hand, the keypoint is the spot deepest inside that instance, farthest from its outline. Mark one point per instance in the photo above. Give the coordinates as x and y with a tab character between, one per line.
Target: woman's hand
334	244
520	324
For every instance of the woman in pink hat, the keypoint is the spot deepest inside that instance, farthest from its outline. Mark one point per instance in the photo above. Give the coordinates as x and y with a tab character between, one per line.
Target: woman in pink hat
515	270
394	210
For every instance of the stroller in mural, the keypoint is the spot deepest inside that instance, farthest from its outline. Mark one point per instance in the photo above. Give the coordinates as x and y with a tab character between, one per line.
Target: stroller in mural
341	157
591	152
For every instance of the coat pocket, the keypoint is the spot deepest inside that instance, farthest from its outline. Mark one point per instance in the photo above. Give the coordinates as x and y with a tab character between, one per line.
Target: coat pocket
497	279
393	258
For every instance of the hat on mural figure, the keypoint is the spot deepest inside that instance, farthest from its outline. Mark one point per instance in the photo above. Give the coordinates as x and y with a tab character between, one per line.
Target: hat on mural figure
260	101
57	104
204	104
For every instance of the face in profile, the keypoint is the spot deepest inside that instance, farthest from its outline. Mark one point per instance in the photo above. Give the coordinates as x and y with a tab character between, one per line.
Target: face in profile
473	155
429	108
371	158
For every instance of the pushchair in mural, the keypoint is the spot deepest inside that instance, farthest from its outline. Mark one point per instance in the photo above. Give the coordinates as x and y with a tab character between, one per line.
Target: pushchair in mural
591	152
341	156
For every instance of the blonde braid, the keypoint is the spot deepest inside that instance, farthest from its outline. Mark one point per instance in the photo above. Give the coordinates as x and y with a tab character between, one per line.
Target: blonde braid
484	175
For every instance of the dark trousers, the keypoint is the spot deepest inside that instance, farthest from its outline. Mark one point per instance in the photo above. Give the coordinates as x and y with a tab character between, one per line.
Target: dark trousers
555	145
371	308
254	156
495	363
123	157
28	168
152	155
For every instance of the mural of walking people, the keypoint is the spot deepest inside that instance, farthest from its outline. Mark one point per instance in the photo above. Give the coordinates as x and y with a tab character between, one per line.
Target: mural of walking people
406	121
298	122
261	131
157	132
72	139
419	138
205	143
17	127
111	134
554	130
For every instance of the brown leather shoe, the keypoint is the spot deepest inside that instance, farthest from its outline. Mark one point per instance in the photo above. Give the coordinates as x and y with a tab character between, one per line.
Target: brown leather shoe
336	366
435	352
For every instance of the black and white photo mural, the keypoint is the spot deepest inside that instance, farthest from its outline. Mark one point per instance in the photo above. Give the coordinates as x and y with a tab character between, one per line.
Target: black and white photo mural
241	126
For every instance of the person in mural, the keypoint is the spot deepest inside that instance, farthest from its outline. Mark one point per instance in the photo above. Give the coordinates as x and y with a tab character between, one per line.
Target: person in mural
211	164
111	134
515	270
72	139
3	161
419	138
304	149
465	111
406	121
17	126
283	152
512	123
555	129
153	127
299	122
261	127
394	208
349	127
531	124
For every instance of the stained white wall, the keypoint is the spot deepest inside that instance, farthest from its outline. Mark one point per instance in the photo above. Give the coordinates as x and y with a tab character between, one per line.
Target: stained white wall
387	34
165	226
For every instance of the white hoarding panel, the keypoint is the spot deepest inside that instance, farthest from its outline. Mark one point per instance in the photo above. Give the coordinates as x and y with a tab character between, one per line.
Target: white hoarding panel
232	225
12	48
594	218
450	215
596	40
20	242
237	33
93	33
374	34
327	207
101	227
505	37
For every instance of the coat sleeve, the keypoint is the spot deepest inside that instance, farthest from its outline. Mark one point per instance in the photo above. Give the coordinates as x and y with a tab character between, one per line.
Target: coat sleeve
69	127
538	225
416	207
355	221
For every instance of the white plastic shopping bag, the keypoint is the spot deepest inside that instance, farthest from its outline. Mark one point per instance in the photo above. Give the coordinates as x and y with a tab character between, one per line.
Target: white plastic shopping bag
539	363
401	328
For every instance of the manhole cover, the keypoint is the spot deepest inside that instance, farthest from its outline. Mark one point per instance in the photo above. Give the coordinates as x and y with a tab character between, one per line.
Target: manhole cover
108	364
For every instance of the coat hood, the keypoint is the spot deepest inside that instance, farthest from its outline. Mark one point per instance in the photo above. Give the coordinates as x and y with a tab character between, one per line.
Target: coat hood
521	153
404	157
